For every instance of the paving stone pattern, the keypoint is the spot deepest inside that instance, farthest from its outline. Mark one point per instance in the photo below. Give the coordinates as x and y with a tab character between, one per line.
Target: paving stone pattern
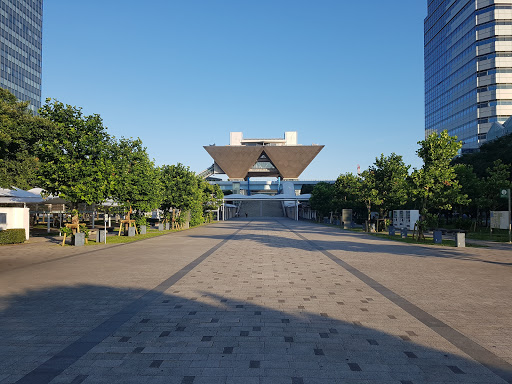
245	301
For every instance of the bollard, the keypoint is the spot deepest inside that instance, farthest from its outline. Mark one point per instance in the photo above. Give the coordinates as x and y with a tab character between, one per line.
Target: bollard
78	239
391	230
143	229
438	237
403	233
100	236
460	239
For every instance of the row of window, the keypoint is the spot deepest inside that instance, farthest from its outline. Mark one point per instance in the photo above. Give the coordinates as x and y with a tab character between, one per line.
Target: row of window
447	108
32	14
13	56
435	94
493	119
442	78
444	35
439	18
493	71
494	87
21	93
494	103
450	119
494	55
26	39
29	56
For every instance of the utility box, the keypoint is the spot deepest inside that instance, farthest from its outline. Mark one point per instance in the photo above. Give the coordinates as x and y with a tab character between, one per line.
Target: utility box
403	218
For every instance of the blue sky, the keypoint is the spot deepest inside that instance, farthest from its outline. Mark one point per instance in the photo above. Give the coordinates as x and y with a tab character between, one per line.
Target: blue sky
183	74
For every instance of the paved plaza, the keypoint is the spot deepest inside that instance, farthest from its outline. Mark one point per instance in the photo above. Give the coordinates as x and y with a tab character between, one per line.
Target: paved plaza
256	301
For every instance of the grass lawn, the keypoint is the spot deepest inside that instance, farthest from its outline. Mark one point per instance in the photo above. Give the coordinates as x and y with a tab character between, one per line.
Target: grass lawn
409	239
499	235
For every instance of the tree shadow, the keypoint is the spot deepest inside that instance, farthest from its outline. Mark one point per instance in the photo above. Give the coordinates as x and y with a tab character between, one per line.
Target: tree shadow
99	334
343	241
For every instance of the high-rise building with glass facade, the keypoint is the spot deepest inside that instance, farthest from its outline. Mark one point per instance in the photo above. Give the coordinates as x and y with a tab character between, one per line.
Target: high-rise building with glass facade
468	67
21	23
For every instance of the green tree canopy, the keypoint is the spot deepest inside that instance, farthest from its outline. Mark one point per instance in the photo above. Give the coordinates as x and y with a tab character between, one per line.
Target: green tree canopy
435	185
135	181
499	149
346	192
497	178
20	133
179	187
75	155
389	176
322	198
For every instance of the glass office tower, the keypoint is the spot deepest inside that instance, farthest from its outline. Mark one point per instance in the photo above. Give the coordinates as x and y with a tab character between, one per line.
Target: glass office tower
468	68
21	23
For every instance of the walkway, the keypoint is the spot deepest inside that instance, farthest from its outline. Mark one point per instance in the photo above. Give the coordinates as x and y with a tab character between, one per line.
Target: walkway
257	301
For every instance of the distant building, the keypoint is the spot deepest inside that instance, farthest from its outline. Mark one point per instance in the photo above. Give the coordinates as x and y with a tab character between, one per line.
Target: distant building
245	158
21	24
468	68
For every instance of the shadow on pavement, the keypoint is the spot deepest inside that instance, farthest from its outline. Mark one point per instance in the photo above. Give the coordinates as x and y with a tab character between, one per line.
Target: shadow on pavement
344	241
98	334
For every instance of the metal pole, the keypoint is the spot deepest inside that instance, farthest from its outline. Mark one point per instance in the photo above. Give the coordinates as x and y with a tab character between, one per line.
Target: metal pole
509	219
105	223
48	222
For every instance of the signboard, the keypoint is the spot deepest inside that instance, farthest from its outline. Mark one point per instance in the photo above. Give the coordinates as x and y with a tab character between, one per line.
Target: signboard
500	219
504	193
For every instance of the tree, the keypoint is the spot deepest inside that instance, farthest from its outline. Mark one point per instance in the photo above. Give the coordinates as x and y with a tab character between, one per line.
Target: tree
498	149
322	198
20	132
471	185
497	179
75	155
346	192
135	181
435	185
180	189
390	181
368	192
211	197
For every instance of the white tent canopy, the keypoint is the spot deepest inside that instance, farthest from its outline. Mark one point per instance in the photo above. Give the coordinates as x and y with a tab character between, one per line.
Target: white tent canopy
11	196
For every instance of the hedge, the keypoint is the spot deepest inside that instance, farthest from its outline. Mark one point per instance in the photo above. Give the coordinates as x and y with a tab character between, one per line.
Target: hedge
12	236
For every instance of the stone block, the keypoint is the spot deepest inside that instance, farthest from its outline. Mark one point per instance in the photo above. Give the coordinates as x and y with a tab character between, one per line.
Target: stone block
131	231
167	226
78	239
460	239
143	229
391	230
438	237
403	233
160	227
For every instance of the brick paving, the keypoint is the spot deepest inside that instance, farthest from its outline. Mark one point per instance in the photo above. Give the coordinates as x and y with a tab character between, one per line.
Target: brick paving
257	301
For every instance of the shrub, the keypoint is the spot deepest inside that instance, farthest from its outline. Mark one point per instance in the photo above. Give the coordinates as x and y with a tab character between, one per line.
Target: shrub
66	231
12	236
